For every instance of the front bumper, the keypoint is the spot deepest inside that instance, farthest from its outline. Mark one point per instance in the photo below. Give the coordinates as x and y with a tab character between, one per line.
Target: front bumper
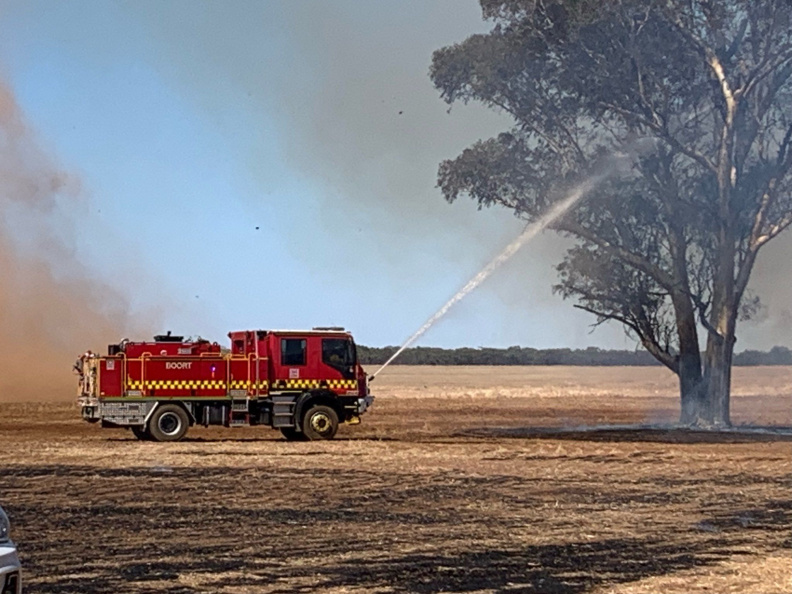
89	409
10	570
363	404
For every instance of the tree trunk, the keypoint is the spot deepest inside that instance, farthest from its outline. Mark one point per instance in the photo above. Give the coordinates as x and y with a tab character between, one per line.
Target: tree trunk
718	364
693	391
691	385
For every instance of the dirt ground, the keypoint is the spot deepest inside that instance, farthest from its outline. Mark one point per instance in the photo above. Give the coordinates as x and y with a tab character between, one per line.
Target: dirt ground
477	480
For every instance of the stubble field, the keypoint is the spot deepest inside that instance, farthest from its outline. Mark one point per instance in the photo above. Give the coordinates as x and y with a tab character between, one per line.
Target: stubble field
472	479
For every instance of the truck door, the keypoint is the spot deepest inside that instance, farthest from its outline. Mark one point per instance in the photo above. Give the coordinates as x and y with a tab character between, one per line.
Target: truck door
338	358
289	360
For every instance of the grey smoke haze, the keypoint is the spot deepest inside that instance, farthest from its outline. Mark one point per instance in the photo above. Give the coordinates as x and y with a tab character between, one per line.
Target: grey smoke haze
372	127
772	282
359	115
359	119
375	131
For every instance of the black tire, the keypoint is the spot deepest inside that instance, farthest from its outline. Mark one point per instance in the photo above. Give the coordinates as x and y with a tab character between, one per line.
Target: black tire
168	423
141	433
291	434
320	422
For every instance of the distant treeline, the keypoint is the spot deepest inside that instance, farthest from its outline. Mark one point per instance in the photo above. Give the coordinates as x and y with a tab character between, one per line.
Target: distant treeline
527	356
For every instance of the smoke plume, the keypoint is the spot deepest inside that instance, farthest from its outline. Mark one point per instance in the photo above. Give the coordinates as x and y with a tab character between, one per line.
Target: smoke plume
347	94
50	307
771	282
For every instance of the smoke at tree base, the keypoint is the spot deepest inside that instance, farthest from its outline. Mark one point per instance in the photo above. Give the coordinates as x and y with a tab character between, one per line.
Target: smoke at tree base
557	211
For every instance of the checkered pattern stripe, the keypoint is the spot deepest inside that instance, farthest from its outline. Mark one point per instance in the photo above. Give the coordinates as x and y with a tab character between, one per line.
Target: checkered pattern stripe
246	385
307	384
290	384
195	385
343	383
177	385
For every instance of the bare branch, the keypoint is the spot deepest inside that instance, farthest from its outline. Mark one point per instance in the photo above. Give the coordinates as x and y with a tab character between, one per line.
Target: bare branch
737	39
664	134
702	309
648	340
776	229
765	69
635	260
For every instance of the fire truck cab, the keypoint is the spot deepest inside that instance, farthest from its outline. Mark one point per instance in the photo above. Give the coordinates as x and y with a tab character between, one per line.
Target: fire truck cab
303	383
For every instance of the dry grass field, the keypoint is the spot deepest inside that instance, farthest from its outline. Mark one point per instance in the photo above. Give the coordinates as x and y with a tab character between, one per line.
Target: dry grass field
477	480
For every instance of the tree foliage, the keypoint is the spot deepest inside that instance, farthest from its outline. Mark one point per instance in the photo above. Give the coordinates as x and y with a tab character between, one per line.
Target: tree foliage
700	94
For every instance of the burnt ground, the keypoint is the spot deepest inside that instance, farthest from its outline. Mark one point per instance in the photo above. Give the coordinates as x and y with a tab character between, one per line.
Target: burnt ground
453	483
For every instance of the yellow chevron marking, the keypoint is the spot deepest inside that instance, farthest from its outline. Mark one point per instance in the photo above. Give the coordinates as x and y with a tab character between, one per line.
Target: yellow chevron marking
195	385
313	383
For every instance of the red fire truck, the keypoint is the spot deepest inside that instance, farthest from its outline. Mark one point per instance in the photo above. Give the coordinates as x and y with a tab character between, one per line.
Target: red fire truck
301	382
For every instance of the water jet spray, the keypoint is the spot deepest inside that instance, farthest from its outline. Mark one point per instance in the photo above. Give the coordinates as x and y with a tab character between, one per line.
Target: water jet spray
558	210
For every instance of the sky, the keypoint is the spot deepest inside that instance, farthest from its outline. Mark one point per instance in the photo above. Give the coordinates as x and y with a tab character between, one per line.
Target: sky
273	164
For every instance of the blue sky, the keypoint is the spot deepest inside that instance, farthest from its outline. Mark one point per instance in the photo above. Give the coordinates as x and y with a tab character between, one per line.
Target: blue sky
272	164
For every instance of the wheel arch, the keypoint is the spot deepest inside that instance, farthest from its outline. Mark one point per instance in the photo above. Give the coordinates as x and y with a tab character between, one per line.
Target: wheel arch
169	432
317	397
187	408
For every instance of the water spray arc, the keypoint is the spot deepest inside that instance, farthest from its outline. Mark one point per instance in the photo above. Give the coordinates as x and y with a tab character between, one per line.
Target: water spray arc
557	211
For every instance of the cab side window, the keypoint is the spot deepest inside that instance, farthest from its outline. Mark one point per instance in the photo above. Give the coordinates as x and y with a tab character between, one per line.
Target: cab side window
293	351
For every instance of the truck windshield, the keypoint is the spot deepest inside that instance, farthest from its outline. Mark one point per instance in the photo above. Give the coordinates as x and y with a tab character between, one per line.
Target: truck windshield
339	353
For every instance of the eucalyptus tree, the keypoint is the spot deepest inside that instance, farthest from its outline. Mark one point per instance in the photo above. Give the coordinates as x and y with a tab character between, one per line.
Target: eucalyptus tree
700	92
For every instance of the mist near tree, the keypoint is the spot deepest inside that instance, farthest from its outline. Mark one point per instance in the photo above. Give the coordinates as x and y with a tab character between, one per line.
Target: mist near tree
772	282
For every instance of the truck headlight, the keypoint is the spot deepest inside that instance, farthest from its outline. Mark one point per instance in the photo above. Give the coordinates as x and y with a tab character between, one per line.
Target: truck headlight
5	527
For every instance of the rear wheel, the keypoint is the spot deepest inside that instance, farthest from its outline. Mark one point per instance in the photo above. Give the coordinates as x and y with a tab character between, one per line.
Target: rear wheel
168	423
141	433
320	422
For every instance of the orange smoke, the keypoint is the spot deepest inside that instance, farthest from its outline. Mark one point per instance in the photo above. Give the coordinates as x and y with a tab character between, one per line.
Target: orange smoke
50	307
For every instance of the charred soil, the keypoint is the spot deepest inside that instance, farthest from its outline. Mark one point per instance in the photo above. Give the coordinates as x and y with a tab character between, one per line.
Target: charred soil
458	480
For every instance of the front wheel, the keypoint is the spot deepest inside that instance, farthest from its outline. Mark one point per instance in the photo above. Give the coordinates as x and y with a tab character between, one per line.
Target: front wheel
168	423
320	422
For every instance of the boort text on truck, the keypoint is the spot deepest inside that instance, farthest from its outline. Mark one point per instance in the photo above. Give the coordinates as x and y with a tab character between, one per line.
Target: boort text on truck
302	382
